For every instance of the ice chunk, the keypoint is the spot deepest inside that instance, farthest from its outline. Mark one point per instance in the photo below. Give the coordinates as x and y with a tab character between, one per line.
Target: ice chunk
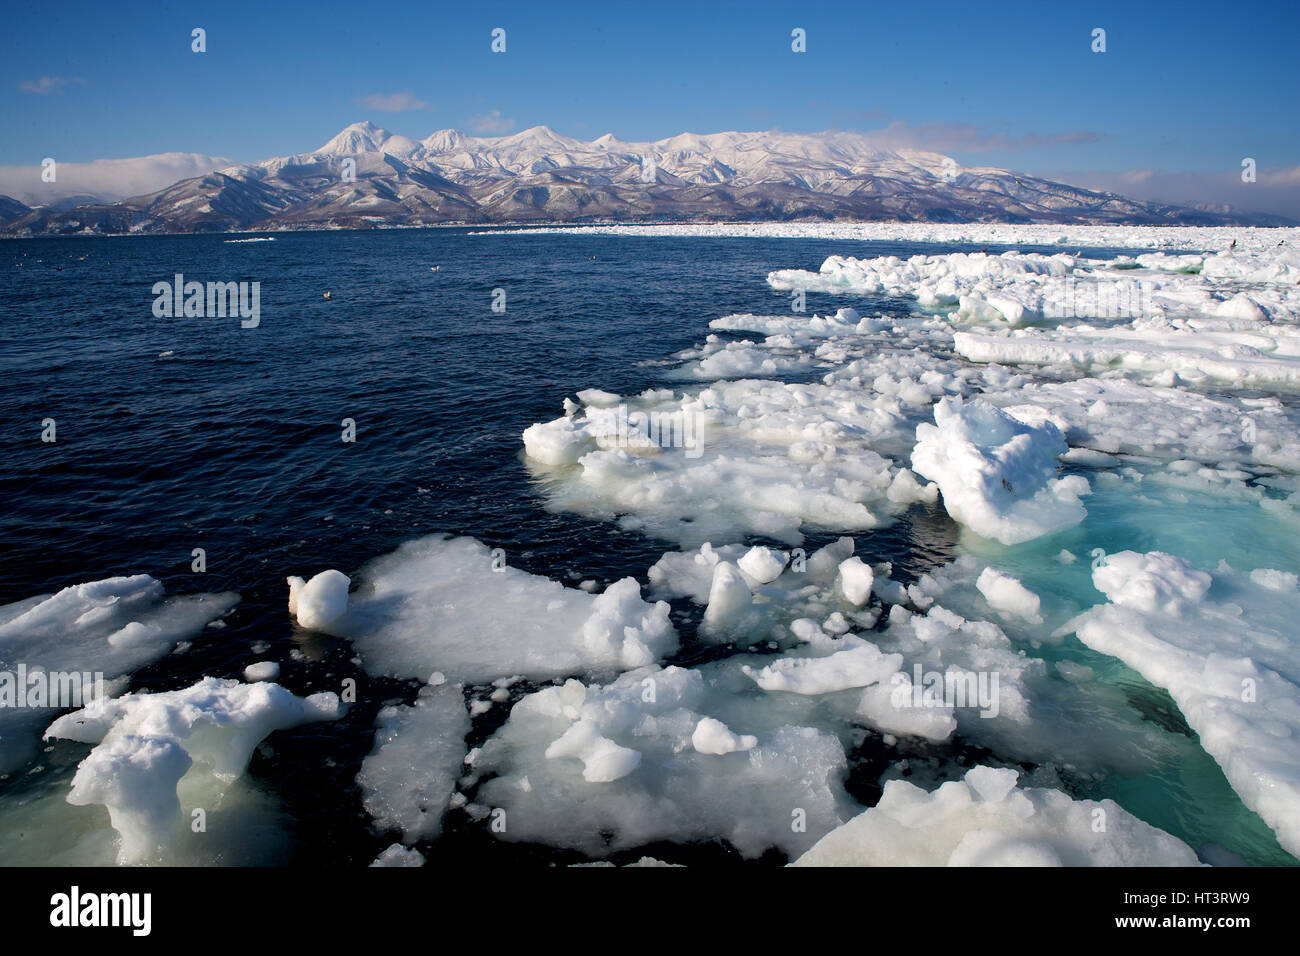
985	820
861	664
1150	582
449	604
855	580
729	603
690	573
419	753
398	855
763	565
997	473
113	627
146	743
559	442
320	602
603	761
1008	596
135	777
262	670
714	737
825	563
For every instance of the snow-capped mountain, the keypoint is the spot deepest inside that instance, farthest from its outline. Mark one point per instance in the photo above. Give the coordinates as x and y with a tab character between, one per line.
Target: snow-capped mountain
367	177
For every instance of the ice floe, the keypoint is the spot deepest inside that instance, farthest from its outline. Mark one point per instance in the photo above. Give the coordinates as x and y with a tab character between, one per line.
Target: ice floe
1224	645
111	627
773	458
985	819
409	777
600	768
146	744
449	605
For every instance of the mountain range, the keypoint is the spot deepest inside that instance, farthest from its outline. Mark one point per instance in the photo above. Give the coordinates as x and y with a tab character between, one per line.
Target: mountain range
367	177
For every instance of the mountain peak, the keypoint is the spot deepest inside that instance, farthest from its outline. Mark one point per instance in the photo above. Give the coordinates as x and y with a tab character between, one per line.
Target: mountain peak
541	136
446	141
363	137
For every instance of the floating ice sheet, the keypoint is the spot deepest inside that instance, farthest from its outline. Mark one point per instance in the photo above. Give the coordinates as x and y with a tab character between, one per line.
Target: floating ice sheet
419	753
114	627
448	605
987	820
147	743
1225	647
602	768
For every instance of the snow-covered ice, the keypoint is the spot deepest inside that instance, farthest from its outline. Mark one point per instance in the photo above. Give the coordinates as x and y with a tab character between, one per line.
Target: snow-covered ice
1224	645
985	819
620	765
113	627
146	744
448	605
997	474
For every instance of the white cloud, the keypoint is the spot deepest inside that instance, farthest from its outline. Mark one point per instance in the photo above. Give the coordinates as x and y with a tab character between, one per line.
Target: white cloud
394	102
106	179
48	84
492	123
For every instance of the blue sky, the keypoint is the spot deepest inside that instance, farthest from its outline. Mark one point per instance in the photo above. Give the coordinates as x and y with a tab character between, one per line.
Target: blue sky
1183	88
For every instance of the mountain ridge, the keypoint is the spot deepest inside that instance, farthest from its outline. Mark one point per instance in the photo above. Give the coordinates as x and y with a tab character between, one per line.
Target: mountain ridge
368	177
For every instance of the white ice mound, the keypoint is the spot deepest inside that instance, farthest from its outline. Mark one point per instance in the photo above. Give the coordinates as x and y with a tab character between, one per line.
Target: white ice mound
609	767
603	760
859	664
714	737
446	604
997	473
986	820
146	743
114	627
320	602
855	580
1008	596
763	565
730	603
1227	649
398	855
419	753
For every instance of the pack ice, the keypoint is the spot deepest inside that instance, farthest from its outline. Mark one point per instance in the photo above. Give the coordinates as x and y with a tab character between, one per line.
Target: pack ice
1056	405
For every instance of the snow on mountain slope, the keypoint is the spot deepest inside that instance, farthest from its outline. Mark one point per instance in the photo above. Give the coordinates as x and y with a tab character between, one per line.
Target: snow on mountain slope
366	176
